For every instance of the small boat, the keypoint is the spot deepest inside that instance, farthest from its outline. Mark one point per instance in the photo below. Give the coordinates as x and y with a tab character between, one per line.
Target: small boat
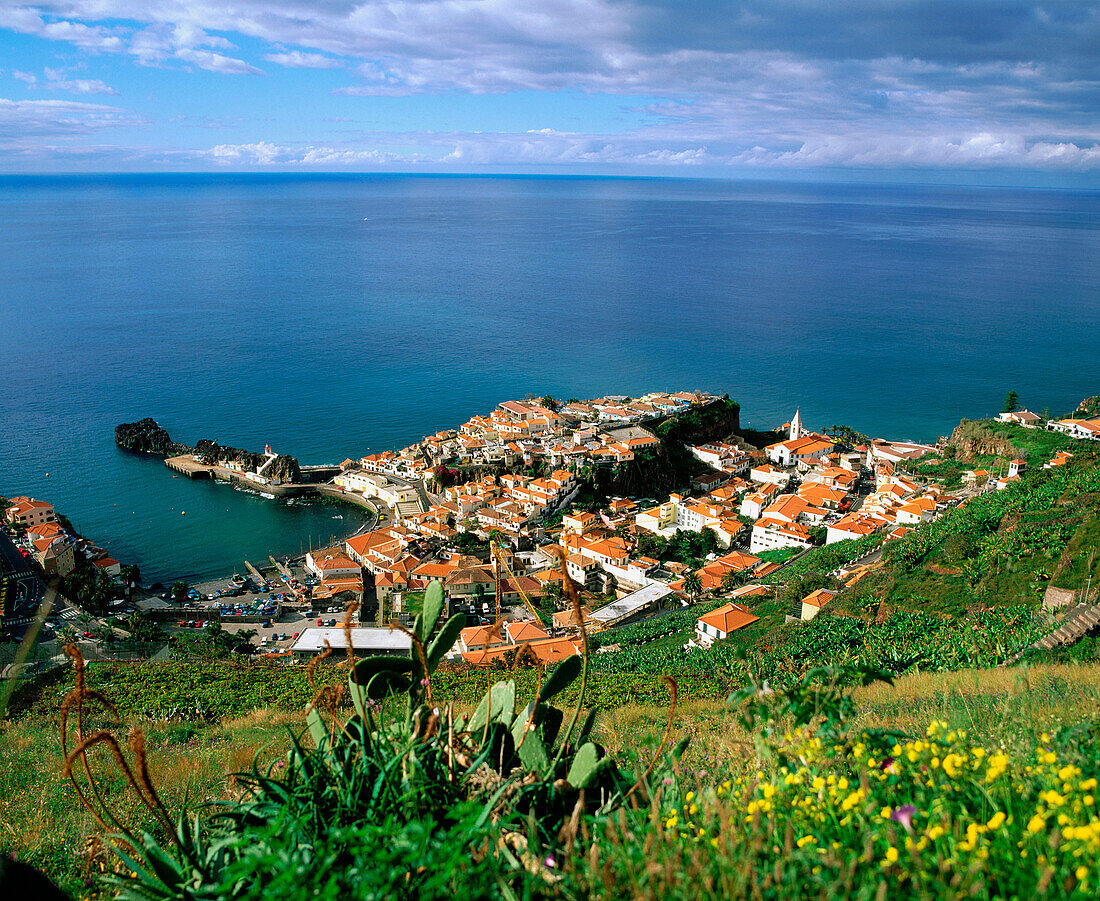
183	512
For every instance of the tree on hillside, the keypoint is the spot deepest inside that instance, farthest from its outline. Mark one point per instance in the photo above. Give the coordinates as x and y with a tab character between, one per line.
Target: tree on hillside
89	587
731	580
179	591
693	585
1011	402
848	437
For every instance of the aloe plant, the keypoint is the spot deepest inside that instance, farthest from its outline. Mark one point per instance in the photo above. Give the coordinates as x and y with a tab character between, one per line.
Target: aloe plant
419	782
540	766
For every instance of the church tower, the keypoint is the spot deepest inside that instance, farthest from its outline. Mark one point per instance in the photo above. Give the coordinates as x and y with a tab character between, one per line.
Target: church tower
796	427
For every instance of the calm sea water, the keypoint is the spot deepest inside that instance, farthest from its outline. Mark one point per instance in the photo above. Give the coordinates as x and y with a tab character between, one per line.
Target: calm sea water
335	316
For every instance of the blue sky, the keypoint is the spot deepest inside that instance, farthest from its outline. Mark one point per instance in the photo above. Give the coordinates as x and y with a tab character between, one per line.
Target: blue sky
1004	91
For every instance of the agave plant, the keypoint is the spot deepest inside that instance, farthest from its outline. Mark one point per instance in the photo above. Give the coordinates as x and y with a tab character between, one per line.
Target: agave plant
401	782
519	749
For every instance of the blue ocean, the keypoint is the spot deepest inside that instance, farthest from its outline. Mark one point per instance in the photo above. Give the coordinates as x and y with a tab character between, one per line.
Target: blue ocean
333	316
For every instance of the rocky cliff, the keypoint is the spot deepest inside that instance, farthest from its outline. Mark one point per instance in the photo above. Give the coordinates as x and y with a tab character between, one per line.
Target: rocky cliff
283	469
1088	408
147	437
970	439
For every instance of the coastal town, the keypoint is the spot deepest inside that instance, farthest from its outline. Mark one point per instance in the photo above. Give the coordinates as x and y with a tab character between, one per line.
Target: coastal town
505	507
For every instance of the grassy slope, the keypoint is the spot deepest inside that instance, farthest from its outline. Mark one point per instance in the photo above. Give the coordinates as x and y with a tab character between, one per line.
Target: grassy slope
995	553
192	761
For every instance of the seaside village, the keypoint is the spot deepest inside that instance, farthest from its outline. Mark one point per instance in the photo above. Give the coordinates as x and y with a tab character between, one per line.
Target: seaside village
760	508
783	498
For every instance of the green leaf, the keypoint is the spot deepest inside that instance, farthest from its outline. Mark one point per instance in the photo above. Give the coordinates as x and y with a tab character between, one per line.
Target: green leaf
564	674
369	666
529	744
381	684
317	729
589	722
497	705
167	870
583	766
432	610
445	640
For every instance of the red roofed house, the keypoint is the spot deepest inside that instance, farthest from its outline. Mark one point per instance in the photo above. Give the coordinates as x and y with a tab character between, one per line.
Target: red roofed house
854	525
26	511
331	562
108	565
476	638
720	623
519	632
813	602
55	555
545	651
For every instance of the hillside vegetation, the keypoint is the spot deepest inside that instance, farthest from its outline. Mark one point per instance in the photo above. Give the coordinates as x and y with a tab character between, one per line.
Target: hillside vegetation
959	773
880	750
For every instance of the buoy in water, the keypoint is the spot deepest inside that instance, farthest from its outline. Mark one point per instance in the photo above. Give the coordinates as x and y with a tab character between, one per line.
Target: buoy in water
183	512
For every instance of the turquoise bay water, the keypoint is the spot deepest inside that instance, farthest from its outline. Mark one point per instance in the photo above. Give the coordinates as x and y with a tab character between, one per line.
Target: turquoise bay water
336	316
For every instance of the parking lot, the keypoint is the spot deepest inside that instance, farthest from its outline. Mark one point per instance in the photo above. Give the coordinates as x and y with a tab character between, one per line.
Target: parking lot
247	600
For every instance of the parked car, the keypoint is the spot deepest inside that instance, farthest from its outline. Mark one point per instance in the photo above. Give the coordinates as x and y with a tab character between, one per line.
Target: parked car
319	622
267	624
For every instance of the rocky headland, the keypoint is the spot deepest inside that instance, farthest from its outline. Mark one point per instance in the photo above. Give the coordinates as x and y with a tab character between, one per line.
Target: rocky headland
146	436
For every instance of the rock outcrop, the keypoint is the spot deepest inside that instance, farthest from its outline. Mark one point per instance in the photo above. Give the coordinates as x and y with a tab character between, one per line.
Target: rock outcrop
1089	408
147	437
970	440
282	469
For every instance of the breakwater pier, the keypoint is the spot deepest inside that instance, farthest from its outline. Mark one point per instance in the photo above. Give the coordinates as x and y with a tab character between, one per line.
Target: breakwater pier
189	465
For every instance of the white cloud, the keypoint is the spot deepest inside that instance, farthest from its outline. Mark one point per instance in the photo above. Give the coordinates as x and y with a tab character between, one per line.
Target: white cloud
216	62
265	154
540	148
56	80
972	151
782	83
27	21
26	124
296	59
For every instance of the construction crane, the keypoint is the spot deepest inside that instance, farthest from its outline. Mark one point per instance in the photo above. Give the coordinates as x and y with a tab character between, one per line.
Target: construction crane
501	563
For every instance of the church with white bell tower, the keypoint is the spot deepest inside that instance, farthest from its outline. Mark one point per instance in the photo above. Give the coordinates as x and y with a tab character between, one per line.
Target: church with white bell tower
796	430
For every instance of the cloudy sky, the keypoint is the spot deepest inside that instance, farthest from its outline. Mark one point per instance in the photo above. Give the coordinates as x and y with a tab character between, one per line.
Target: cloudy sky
989	90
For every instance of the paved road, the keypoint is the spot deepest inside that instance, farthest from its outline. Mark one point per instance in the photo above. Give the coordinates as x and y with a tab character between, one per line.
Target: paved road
28	587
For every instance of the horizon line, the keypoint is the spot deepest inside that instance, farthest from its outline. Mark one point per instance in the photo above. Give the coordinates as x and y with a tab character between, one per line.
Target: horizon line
848	177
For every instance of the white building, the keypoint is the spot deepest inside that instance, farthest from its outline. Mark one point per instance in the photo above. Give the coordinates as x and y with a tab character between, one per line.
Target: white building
769	534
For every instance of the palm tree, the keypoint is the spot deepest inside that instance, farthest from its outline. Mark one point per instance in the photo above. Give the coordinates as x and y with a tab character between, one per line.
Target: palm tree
731	579
693	585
